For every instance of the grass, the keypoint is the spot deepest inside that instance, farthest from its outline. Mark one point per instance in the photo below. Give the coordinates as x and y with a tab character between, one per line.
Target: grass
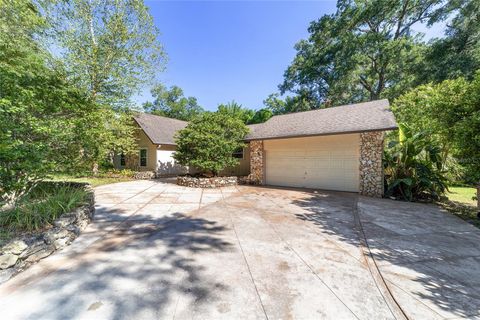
39	209
462	195
4	236
461	204
93	181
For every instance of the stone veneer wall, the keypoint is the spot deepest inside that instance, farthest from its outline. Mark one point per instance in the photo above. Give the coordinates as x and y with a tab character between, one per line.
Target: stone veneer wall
256	162
23	251
371	168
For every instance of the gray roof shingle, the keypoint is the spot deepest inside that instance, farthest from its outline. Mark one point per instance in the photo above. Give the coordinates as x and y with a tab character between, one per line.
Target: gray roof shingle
161	130
367	116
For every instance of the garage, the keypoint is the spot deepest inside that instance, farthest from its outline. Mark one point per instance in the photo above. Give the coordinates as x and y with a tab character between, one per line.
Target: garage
337	148
321	162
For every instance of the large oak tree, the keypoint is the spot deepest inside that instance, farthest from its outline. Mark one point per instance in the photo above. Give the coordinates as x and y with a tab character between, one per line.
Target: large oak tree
365	51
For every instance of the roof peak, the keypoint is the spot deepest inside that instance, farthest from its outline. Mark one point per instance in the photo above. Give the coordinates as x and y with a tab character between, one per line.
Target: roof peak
158	116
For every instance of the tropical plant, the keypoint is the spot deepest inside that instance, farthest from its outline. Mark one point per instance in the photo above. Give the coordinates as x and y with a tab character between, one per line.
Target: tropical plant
450	111
261	116
236	110
413	167
208	142
172	103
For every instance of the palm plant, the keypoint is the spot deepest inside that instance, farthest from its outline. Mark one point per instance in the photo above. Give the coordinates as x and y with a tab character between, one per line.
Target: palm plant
414	167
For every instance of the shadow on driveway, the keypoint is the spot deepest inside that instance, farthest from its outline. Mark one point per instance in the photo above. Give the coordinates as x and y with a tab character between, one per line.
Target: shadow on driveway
137	269
430	259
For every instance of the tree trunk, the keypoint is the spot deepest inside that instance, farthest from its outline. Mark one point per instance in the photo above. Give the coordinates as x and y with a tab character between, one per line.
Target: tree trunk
95	169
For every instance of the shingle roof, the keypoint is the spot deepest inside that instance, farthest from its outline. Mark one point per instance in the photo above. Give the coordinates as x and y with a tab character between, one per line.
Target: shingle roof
367	116
160	130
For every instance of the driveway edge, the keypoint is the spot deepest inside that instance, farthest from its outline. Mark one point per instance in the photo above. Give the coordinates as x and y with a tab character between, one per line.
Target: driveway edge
377	276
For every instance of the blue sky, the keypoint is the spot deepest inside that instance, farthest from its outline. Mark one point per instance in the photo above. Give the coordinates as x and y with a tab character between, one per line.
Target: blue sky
219	51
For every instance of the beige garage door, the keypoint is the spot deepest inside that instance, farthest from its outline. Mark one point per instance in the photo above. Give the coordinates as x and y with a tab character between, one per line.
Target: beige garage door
326	162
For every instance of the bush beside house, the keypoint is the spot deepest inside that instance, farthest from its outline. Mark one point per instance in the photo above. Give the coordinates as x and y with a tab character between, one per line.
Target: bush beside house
208	142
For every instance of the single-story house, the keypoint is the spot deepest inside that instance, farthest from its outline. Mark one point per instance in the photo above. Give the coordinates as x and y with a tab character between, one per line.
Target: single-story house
338	148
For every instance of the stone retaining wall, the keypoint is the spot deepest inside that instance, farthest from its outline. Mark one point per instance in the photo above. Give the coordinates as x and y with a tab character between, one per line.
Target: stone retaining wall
213	182
20	253
371	168
144	175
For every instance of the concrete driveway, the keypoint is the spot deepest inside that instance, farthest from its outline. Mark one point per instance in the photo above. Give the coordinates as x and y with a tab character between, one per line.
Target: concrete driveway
157	250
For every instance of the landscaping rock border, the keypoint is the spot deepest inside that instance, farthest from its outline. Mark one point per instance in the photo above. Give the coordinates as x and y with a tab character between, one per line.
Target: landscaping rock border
19	253
200	182
144	175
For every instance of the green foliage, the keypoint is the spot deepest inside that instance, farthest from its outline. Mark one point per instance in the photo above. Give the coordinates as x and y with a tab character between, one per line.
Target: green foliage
115	173
365	51
99	133
110	50
47	122
102	178
36	104
246	115
172	103
261	116
451	112
413	167
301	102
235	110
109	47
458	53
275	104
42	206
208	142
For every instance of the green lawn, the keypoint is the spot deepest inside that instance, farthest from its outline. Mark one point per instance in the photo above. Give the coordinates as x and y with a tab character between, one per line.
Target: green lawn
461	204
94	181
462	194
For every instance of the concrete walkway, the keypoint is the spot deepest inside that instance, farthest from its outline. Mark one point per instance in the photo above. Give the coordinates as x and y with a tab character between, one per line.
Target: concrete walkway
157	250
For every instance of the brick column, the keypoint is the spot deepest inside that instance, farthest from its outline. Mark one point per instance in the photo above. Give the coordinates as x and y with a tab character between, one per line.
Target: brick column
371	168
256	162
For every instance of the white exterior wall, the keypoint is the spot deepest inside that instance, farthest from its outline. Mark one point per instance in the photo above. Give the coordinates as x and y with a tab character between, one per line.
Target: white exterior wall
166	165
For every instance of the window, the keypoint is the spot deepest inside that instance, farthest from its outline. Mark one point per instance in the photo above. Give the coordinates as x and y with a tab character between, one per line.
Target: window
143	157
238	153
122	159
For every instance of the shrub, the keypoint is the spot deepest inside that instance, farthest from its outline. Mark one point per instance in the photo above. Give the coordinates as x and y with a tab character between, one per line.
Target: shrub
116	173
41	207
450	111
208	142
413	167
